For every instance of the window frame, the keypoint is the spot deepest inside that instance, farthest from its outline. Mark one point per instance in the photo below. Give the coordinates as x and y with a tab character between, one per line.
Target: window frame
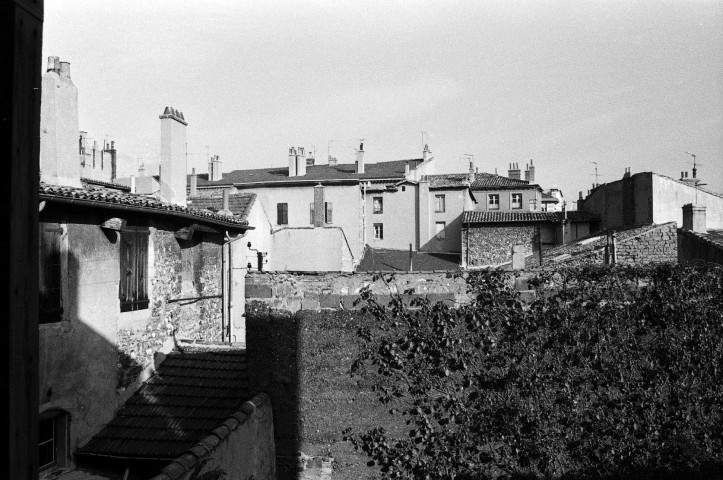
134	259
59	439
282	213
493	205
380	210
512	201
378	231
440	203
328	212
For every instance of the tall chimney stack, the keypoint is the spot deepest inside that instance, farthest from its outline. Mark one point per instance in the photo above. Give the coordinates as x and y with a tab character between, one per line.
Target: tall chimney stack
300	162
360	158
426	152
173	157
292	161
215	173
513	172
59	163
194	183
531	175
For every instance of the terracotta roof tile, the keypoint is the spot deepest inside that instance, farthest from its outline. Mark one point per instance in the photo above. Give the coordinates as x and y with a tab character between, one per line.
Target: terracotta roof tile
239	203
482	181
517	217
115	186
90	195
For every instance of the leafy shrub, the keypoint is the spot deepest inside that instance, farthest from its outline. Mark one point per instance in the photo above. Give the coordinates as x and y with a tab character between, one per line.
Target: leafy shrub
611	372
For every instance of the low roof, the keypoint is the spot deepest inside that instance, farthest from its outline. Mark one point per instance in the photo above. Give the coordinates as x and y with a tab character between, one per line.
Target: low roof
193	392
378	259
523	217
238	203
100	197
314	173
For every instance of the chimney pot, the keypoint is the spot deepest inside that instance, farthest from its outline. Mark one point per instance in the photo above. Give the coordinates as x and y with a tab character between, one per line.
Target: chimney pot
53	64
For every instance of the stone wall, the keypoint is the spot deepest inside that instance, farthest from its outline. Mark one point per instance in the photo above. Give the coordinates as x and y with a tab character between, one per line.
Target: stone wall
696	246
492	244
292	291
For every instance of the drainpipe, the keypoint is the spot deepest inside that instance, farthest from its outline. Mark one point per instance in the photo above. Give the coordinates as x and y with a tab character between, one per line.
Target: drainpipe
226	317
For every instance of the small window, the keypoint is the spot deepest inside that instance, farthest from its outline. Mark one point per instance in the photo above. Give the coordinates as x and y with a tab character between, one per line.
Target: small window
440	230
378	231
133	285
493	201
328	212
50	274
516	201
52	440
404	189
311	213
282	213
378	205
439	205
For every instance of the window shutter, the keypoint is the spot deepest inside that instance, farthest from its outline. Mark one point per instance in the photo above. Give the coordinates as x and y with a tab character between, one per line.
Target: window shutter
311	213
133	284
328	212
141	293
50	274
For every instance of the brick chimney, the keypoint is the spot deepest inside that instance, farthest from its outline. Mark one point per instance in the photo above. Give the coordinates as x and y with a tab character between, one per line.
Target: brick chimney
360	158
514	172
694	218
59	163
530	172
173	156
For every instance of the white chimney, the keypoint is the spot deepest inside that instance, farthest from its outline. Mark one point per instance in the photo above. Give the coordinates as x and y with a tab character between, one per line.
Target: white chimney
59	163
360	159
173	157
426	152
292	162
133	184
194	183
300	162
215	174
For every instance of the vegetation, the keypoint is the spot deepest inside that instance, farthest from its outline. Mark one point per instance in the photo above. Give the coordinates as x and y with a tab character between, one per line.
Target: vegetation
611	372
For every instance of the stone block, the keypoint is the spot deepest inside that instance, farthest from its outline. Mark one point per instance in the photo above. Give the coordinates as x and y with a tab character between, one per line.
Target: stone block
446	298
348	302
310	302
331	300
258	291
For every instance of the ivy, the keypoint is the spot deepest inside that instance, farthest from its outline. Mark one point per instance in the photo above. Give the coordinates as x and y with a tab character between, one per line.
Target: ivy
611	372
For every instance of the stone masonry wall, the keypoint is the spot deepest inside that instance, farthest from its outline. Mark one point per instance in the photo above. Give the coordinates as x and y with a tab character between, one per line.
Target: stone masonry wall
492	245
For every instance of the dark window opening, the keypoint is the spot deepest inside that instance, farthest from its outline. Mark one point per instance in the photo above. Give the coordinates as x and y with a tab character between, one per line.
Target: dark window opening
50	274
328	212
52	440
282	213
134	268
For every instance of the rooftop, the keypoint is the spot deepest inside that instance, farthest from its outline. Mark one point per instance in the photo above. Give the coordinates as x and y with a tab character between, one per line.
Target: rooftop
97	196
314	173
518	217
238	203
482	181
377	259
100	183
193	392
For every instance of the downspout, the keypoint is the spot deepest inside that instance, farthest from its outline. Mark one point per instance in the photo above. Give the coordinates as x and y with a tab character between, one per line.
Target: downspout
226	301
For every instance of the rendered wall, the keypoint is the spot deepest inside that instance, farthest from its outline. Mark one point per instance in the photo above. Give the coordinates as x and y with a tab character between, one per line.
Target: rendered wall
92	360
173	161
455	202
399	217
310	249
506	198
670	196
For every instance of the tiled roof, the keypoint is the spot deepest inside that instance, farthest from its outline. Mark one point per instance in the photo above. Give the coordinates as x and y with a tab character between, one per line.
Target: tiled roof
193	392
376	259
91	195
546	198
482	181
239	203
393	169
116	186
714	237
516	217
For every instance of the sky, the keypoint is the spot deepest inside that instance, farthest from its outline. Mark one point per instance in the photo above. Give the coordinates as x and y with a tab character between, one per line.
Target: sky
621	83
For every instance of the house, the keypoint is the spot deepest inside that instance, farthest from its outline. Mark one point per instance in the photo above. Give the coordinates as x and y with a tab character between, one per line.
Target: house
488	237
650	198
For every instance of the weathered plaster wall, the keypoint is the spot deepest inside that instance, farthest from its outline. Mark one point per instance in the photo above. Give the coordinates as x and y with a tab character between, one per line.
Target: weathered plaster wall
670	196
492	244
91	361
528	195
398	216
310	249
455	201
693	246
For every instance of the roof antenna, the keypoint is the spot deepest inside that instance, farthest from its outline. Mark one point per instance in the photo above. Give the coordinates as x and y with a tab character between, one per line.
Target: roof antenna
695	172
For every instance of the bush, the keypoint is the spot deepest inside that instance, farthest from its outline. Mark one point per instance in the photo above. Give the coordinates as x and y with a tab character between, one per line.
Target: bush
609	373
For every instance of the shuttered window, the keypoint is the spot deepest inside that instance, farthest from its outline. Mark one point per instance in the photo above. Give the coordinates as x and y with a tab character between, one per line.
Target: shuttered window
134	268
50	275
328	217
282	213
311	213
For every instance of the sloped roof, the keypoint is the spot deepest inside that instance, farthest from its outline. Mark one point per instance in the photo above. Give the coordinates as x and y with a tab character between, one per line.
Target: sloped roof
378	259
193	392
482	181
109	198
519	217
117	186
546	198
314	173
238	203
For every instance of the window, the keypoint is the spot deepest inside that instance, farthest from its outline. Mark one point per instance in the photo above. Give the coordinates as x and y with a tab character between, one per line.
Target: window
52	439
282	213
50	275
493	201
516	200
311	213
441	233
378	231
378	205
327	212
439	206
133	268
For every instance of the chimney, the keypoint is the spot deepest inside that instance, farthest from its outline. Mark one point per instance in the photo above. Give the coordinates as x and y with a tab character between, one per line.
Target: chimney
215	174
194	183
319	205
426	152
471	176
406	169
360	159
225	210
142	170
300	162
82	143
133	184
59	164
531	178
694	218
113	162
292	162
527	173
332	161
513	172
172	169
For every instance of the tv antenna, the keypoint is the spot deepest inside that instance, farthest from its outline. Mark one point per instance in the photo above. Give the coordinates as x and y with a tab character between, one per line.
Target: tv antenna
597	175
696	184
424	133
